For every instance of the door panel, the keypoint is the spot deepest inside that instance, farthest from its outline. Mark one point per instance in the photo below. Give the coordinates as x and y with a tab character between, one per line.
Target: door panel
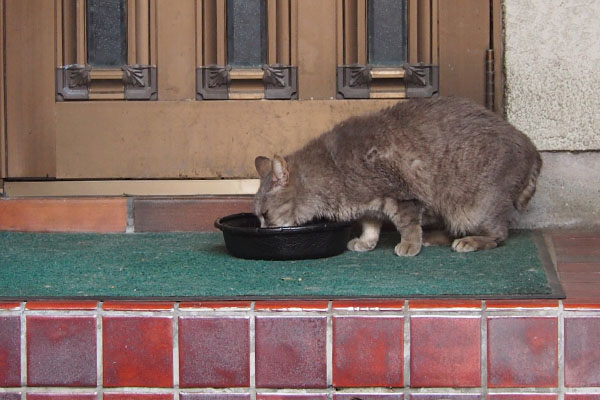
188	139
181	137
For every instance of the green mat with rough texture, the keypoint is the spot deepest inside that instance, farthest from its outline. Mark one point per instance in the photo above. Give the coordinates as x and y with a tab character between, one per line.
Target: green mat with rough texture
196	265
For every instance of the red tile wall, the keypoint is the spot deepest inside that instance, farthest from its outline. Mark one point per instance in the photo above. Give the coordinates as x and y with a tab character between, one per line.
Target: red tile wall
298	350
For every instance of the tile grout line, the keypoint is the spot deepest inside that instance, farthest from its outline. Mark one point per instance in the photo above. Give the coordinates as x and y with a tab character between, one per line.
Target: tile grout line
484	352
406	314
23	321
252	360
176	383
99	350
23	349
329	346
561	351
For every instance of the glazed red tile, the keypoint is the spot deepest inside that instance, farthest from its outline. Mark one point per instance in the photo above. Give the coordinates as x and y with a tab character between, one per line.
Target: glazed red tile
61	351
216	305
368	396
291	352
138	351
444	304
522	396
445	351
368	305
214	352
582	351
293	305
291	396
444	396
62	305
115	305
10	396
10	305
137	396
578	267
214	396
581	304
522	352
10	351
368	351
520	304
62	396
582	396
581	290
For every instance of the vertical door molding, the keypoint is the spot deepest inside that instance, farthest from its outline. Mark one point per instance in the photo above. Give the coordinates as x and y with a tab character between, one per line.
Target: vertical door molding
30	88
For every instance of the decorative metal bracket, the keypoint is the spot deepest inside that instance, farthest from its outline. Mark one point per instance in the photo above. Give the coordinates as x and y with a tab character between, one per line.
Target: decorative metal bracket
354	81
73	82
140	82
421	80
281	82
212	82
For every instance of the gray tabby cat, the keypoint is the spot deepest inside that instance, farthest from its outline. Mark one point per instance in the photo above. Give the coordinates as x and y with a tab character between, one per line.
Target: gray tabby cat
445	158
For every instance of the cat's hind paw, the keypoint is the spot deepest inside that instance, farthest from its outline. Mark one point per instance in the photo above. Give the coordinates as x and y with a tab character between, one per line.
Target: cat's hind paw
407	249
357	244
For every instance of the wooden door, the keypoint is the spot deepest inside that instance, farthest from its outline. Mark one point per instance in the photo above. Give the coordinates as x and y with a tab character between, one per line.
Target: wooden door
186	127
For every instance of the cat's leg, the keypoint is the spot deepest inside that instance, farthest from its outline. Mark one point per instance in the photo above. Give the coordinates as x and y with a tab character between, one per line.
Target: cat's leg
487	239
369	236
406	217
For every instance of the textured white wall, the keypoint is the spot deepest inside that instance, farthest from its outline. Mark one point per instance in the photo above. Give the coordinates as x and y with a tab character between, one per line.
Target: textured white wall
552	66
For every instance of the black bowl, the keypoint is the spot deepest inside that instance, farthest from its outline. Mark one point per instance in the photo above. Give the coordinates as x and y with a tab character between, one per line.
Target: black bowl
244	238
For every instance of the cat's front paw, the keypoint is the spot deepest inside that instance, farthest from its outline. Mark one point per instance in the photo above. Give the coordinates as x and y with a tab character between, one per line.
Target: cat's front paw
407	249
357	244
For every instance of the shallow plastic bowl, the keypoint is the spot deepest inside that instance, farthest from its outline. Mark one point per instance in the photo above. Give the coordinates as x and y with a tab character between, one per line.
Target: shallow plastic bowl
244	238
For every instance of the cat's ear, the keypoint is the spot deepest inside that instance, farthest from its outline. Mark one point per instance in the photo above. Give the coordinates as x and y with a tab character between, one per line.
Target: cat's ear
280	171
263	166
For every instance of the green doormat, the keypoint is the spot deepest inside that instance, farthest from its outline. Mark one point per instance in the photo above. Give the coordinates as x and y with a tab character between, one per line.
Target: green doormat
196	266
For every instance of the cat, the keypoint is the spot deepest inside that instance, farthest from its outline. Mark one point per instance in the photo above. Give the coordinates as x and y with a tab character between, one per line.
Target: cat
420	160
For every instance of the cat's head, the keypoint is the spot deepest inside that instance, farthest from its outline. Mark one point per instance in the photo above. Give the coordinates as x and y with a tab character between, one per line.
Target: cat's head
274	203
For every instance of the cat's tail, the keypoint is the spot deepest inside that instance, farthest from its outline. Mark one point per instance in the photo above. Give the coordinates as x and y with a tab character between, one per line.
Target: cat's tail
529	190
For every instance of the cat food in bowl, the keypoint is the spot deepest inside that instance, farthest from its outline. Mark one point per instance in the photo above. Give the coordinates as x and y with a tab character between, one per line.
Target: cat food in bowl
244	238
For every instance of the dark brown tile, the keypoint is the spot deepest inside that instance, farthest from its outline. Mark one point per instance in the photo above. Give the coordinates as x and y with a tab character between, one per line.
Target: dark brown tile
214	352
64	215
438	345
522	352
582	351
61	351
290	352
185	214
584	248
138	351
10	351
368	351
581	290
591	267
